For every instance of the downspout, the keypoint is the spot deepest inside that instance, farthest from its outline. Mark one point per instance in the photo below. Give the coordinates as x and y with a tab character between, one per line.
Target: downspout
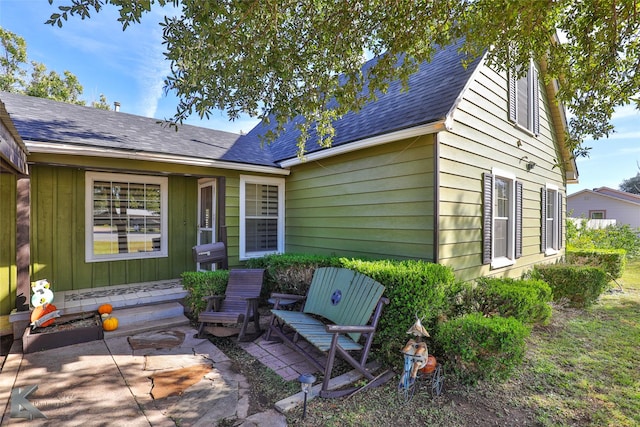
436	198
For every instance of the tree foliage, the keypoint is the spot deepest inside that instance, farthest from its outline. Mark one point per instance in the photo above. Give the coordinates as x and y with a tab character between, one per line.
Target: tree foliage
631	185
283	58
42	83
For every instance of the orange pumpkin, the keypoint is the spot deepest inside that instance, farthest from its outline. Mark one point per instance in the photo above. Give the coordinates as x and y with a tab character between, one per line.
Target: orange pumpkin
110	324
430	366
105	309
42	310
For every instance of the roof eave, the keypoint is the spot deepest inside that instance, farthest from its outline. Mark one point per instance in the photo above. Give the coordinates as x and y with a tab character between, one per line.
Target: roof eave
373	141
75	150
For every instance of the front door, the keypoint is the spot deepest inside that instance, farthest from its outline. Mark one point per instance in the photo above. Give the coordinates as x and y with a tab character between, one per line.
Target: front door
206	216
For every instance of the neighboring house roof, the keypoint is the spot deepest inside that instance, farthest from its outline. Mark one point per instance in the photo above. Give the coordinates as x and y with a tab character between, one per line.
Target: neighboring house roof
42	121
617	195
433	91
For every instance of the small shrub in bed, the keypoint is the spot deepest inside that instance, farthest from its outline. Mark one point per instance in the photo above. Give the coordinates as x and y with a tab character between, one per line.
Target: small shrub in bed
527	300
201	284
579	285
482	348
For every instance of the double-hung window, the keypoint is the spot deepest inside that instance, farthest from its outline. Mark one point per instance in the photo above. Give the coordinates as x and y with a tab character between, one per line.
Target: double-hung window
261	216
524	100
502	223
551	219
126	216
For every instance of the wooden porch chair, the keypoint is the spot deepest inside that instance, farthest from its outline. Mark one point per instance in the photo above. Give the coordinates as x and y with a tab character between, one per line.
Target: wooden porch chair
238	305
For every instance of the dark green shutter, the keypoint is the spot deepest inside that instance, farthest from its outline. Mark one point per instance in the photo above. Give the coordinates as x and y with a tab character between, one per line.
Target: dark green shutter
513	96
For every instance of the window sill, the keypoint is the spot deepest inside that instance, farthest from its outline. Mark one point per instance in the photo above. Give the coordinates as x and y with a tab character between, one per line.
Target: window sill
524	129
551	251
501	263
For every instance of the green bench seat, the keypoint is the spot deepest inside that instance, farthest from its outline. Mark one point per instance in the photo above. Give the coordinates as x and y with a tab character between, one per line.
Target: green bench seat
341	307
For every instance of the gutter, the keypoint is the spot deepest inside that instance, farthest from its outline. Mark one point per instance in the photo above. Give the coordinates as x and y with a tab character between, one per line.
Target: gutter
425	129
74	150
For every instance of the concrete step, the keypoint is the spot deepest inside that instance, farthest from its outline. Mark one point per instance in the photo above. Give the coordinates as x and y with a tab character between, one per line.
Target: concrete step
132	320
145	326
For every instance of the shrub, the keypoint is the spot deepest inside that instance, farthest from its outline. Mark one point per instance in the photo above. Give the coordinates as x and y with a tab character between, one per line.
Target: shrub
482	348
612	261
460	298
414	288
290	273
580	285
611	237
201	284
527	300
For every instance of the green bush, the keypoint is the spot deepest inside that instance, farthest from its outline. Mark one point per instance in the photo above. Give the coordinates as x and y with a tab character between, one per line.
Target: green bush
290	273
482	348
580	285
527	300
460	298
414	288
611	237
612	261
201	284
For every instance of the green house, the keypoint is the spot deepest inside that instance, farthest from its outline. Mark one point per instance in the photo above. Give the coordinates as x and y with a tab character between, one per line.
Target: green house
467	168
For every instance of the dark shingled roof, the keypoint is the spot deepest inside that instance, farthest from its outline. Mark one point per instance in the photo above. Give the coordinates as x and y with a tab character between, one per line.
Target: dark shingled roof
44	120
433	91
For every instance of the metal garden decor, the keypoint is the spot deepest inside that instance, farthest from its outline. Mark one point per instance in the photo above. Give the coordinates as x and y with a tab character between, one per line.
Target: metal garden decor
419	366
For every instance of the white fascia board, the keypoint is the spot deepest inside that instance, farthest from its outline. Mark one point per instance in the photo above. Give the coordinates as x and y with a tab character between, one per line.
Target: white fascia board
367	143
74	150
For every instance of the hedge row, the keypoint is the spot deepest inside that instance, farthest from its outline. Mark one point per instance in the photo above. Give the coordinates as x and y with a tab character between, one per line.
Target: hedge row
479	329
579	285
612	261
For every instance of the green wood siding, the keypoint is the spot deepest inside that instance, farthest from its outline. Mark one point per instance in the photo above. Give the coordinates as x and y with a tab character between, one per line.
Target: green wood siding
377	202
8	271
58	226
482	138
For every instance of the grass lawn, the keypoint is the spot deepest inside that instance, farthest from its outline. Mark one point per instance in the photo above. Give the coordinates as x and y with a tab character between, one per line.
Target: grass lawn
580	370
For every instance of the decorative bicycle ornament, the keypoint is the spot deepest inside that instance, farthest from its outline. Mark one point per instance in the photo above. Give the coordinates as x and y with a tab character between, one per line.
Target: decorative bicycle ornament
419	365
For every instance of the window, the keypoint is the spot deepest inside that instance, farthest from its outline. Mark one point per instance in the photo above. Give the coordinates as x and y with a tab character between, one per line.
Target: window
502	219
597	215
126	217
524	102
551	219
261	216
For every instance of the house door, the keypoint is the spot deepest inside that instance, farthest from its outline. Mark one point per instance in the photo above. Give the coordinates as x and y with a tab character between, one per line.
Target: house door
206	217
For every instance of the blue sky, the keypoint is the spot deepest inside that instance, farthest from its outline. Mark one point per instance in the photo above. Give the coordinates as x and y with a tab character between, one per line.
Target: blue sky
129	67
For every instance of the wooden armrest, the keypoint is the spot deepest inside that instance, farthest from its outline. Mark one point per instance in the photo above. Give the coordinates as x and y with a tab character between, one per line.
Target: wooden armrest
210	297
349	329
288	296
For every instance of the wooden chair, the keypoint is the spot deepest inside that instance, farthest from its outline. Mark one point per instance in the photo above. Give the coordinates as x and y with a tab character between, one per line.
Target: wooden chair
238	305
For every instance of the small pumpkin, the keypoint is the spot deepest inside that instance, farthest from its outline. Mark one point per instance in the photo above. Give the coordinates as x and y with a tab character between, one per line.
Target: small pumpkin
110	324
105	315
105	308
41	311
430	366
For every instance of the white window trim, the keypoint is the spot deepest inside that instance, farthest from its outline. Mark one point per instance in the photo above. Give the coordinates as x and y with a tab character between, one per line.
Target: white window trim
550	250
90	178
249	179
501	262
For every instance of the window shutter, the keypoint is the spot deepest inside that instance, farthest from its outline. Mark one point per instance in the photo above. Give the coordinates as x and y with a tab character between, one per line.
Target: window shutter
543	236
487	218
535	101
518	219
513	95
560	221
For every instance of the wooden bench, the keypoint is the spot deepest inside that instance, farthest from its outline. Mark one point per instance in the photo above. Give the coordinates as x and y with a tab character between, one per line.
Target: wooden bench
340	307
239	304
